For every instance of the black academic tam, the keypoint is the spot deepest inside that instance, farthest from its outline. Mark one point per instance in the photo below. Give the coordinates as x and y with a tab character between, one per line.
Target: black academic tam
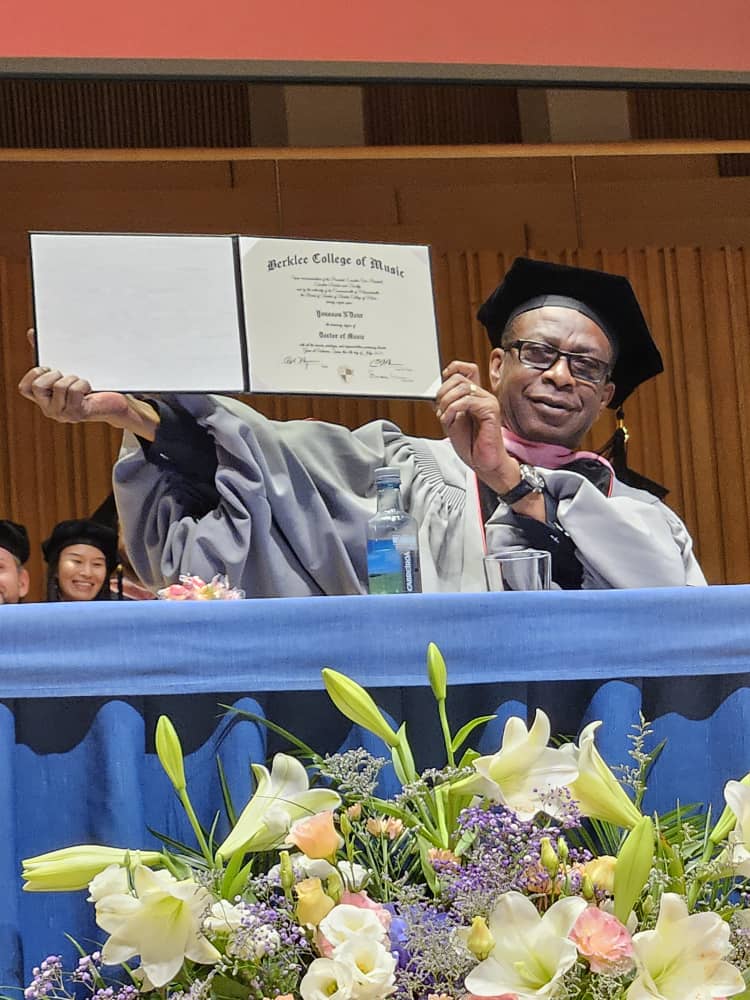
82	532
15	539
607	299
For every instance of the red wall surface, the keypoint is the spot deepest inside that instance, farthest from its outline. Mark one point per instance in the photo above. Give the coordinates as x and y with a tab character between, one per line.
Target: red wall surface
638	34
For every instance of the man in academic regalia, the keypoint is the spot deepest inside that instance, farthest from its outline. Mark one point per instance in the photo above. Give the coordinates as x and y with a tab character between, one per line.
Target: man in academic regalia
14	554
207	485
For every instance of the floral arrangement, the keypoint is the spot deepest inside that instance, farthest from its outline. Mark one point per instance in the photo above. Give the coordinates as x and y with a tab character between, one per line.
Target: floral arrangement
193	588
531	872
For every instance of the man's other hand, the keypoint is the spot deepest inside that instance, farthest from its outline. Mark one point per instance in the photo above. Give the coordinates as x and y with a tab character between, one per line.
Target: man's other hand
472	420
69	400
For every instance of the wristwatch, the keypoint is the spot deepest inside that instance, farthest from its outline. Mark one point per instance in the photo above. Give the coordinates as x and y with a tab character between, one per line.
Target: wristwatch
531	482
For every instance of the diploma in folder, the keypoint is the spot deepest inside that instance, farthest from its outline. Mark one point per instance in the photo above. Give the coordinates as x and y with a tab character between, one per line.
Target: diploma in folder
181	313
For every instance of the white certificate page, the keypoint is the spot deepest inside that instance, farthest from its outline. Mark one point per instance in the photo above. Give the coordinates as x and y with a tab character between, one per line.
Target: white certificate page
138	312
339	318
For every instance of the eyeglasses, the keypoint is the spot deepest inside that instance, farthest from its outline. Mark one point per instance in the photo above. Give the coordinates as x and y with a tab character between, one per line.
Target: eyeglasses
584	368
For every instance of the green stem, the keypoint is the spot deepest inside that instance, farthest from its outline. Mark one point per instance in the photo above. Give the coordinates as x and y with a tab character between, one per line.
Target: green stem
697	885
197	829
442	713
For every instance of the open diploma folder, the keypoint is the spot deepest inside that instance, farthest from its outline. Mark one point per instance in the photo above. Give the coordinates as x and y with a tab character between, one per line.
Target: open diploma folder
148	313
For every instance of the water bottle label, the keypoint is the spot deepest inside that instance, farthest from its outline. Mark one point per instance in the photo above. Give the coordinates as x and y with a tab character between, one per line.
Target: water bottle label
391	571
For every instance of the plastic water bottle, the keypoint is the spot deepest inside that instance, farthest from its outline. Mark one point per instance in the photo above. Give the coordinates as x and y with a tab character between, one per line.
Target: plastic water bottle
392	547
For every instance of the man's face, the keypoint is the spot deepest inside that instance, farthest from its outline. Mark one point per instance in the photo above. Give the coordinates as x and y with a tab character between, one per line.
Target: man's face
551	406
14	580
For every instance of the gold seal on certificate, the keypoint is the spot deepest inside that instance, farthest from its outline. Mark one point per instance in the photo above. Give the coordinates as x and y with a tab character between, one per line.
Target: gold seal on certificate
183	313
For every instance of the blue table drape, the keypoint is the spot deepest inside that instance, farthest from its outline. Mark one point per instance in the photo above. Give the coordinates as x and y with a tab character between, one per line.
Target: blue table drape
81	687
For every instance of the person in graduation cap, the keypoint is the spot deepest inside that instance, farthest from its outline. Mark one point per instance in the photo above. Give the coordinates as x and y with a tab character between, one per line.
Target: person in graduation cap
81	556
206	485
567	342
14	554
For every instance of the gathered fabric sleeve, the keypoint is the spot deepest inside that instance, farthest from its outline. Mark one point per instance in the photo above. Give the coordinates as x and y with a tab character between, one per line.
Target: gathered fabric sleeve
629	539
280	507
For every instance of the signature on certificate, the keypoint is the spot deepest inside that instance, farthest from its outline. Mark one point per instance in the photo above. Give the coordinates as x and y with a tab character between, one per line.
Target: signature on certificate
300	361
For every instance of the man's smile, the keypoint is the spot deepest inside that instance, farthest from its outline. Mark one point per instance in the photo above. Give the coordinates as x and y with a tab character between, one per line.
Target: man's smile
553	403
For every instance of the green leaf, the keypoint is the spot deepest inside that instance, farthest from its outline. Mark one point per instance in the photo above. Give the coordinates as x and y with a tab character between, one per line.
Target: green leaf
391	809
468	758
240	880
279	730
403	759
465	731
429	872
230	873
440	816
465	841
228	989
191	855
226	794
633	867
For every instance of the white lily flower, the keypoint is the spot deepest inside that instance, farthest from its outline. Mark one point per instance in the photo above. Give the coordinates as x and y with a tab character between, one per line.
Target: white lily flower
346	922
353	876
223	918
115	880
532	952
161	923
681	959
524	769
73	868
111	882
280	798
596	790
737	855
327	979
372	967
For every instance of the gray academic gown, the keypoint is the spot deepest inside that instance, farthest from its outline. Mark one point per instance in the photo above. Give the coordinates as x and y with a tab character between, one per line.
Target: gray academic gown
293	499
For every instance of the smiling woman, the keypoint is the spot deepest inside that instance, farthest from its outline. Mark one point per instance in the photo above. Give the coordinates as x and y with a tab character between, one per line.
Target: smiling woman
81	555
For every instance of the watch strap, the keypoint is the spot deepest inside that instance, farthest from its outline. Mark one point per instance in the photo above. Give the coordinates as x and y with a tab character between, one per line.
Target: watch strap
531	482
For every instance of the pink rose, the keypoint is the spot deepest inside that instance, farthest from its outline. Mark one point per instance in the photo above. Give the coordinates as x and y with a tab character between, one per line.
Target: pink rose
501	996
363	901
603	941
175	592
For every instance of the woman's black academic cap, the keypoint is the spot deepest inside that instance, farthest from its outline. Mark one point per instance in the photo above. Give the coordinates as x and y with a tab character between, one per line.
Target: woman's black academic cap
82	532
15	539
609	300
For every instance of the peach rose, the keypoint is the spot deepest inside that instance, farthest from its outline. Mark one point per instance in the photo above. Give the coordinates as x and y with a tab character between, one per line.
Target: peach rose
316	837
381	826
603	941
442	854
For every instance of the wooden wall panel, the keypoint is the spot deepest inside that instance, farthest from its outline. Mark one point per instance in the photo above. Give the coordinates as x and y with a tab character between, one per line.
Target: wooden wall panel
662	212
135	197
450	203
688	427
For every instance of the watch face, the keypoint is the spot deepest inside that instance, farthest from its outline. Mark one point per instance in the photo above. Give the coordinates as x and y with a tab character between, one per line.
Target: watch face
533	477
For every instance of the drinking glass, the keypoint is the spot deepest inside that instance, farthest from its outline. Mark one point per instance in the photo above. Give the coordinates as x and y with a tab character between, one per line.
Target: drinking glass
518	569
